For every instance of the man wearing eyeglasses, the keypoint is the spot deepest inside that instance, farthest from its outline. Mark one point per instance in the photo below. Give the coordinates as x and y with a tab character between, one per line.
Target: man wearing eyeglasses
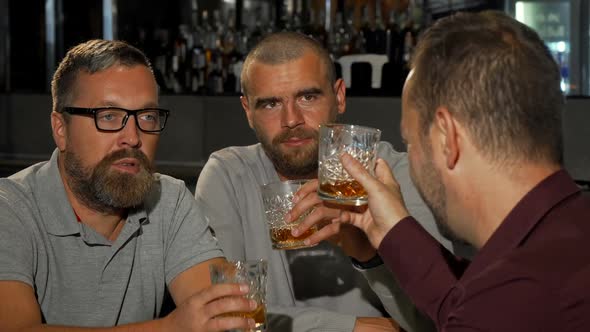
92	237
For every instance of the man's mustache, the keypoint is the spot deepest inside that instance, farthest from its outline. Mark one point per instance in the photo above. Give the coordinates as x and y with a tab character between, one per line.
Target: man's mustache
301	133
128	153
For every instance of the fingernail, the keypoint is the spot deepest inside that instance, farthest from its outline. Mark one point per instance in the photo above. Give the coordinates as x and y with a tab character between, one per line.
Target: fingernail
295	232
288	217
253	304
306	242
295	198
244	288
251	323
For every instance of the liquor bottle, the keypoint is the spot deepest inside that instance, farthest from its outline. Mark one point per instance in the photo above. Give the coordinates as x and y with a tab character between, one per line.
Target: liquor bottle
259	29
195	58
198	63
393	40
215	56
296	18
367	32
161	59
219	31
269	26
231	56
209	37
319	31
242	42
409	43
412	23
340	37
379	32
356	43
230	35
309	16
179	60
215	76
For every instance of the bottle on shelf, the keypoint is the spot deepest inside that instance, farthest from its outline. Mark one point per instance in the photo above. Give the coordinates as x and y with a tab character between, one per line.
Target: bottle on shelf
319	31
205	55
296	18
409	35
218	31
231	56
379	33
259	29
161	60
215	76
393	40
340	36
180	61
368	30
358	41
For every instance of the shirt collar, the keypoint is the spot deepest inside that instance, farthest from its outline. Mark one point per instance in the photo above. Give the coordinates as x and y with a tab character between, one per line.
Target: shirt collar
524	217
58	215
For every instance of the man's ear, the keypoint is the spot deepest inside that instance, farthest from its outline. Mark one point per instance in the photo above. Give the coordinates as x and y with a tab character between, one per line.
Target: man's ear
447	135
246	107
59	130
340	91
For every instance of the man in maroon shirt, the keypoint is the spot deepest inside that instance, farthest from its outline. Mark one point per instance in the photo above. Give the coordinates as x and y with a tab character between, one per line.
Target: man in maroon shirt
482	122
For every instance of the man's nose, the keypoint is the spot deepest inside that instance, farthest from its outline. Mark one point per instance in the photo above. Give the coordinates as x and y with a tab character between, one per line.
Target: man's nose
129	135
292	116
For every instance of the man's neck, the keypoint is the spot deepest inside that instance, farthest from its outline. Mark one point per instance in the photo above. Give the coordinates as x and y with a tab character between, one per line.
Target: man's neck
488	200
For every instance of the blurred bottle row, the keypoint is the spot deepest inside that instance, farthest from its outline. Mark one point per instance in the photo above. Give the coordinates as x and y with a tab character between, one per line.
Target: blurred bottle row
371	42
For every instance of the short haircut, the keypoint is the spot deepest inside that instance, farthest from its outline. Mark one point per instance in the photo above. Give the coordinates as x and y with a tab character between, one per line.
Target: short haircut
91	57
498	78
282	47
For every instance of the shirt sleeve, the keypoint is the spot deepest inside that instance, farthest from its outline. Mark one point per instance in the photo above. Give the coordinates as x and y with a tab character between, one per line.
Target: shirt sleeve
17	255
381	280
189	240
215	195
426	278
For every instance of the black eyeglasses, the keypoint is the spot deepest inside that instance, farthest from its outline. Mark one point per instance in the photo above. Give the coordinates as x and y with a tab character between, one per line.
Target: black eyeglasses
150	120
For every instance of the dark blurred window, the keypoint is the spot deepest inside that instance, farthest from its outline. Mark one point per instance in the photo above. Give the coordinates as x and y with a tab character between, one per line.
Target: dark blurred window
27	45
82	21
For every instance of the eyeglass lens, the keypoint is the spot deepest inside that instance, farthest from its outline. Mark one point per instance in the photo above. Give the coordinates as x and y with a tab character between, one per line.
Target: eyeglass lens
115	119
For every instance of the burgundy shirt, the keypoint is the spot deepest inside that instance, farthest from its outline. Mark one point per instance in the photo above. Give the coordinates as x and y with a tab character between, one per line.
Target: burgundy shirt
533	274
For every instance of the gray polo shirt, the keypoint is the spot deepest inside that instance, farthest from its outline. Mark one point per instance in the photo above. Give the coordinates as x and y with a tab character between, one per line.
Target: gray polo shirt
312	289
79	277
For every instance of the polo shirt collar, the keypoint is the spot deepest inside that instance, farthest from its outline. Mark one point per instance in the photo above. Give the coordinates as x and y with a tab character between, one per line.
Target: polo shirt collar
523	218
56	210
